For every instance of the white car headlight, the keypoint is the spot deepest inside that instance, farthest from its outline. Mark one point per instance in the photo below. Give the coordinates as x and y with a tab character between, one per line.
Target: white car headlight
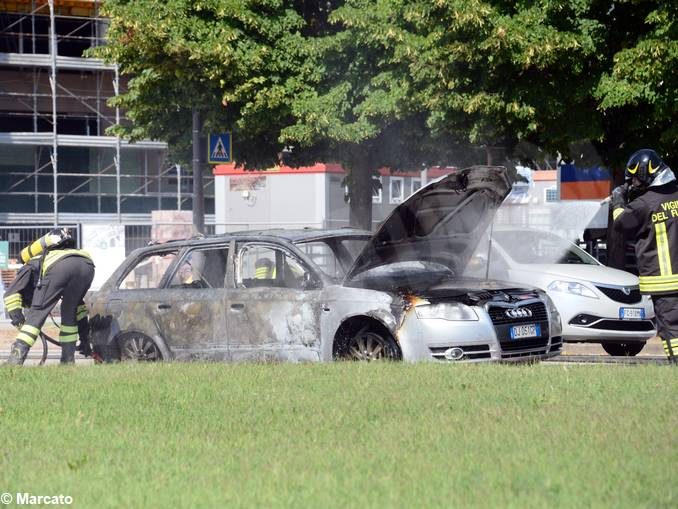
452	311
573	288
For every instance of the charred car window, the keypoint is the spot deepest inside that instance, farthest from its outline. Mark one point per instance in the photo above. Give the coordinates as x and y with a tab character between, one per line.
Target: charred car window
149	271
267	266
334	256
203	268
325	257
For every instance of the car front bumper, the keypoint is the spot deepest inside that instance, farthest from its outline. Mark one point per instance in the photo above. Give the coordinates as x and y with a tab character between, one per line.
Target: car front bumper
471	341
598	320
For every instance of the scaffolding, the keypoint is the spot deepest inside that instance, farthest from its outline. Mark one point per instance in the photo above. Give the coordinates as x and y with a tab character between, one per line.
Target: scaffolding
54	99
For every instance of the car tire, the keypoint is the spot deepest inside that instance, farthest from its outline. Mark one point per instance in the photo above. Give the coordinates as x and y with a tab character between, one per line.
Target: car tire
623	349
368	345
138	347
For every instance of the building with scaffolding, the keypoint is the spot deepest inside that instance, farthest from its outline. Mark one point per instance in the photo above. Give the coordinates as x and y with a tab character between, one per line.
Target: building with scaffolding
57	164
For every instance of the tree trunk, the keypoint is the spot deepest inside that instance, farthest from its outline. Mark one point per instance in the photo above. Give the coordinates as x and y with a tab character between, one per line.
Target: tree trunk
489	156
360	215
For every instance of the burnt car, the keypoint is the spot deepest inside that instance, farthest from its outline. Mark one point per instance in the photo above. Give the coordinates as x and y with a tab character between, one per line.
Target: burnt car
312	295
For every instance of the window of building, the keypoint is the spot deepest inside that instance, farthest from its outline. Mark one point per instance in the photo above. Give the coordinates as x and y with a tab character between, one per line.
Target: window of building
415	185
397	188
551	194
376	193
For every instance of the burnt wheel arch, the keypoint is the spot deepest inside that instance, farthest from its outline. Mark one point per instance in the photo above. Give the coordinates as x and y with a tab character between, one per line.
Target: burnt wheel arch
367	332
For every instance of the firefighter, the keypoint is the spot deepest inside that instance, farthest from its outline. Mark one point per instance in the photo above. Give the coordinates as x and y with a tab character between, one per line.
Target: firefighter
53	270
645	208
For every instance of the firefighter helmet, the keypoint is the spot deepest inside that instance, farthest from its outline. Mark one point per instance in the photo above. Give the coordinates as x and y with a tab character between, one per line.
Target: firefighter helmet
645	165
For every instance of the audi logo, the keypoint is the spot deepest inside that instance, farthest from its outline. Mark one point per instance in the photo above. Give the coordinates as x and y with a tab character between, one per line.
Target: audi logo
518	313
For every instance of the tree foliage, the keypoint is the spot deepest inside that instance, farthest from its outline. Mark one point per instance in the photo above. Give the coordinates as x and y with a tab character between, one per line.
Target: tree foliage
401	83
238	62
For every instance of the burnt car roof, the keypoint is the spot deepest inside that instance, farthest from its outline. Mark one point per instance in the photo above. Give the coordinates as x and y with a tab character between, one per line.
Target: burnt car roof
303	235
290	235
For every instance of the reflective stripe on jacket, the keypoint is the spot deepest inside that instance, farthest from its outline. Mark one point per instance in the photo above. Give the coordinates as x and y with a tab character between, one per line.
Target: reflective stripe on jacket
19	293
652	219
57	254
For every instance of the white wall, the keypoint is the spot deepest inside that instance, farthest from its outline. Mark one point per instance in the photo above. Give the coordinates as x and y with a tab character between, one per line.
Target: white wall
283	200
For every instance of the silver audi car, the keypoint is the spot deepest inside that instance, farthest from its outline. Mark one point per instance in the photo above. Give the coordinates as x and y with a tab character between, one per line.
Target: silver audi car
312	295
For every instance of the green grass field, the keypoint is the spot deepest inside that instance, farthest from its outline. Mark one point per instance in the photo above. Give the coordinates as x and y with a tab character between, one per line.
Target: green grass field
342	435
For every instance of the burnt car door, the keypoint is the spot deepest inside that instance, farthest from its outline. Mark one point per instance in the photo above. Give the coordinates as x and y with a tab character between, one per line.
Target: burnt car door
127	320
274	307
190	311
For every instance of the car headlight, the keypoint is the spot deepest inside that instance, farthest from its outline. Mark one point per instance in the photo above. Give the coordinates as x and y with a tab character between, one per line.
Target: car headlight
452	311
573	288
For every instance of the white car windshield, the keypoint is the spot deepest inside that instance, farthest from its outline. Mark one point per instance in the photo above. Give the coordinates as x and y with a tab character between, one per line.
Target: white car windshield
533	247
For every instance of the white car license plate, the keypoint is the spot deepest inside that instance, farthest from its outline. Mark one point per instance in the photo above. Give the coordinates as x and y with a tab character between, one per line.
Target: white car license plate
530	330
631	314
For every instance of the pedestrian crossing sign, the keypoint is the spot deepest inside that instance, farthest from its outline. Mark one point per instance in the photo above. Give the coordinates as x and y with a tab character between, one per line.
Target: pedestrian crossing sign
219	150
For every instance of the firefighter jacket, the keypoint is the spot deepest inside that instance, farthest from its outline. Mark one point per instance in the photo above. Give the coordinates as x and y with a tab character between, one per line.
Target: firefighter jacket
652	219
57	254
19	294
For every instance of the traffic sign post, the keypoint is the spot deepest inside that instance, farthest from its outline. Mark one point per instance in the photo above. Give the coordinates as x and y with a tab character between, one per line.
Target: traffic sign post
219	148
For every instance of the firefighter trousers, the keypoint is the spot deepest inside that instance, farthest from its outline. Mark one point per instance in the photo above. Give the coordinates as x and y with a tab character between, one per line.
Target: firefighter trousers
666	313
68	279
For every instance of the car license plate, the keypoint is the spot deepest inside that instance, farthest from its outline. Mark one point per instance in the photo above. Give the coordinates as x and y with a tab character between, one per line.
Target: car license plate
530	330
631	314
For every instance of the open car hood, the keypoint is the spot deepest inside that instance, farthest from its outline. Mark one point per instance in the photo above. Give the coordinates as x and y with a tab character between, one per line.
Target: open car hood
442	222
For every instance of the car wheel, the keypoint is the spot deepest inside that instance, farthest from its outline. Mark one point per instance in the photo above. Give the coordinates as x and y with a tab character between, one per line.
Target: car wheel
367	346
138	347
623	349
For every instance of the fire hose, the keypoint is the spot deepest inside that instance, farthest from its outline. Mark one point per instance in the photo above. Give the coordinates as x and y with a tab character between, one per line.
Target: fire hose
44	338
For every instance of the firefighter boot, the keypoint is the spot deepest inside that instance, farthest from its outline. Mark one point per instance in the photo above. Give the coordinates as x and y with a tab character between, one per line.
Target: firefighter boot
68	353
18	353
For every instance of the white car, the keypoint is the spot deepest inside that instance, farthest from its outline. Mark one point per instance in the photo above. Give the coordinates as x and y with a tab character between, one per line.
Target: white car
596	303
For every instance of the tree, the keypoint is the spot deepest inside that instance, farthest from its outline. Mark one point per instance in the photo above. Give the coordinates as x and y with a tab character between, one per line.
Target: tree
238	63
552	73
640	90
361	110
400	83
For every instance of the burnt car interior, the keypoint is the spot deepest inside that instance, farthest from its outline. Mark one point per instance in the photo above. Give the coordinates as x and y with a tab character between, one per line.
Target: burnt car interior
262	265
149	271
201	268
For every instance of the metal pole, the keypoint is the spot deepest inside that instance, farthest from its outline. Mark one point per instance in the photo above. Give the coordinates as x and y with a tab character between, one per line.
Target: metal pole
32	26
198	201
178	187
116	89
52	80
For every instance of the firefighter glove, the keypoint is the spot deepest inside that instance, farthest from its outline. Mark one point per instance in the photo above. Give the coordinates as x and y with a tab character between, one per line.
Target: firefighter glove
17	317
620	196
